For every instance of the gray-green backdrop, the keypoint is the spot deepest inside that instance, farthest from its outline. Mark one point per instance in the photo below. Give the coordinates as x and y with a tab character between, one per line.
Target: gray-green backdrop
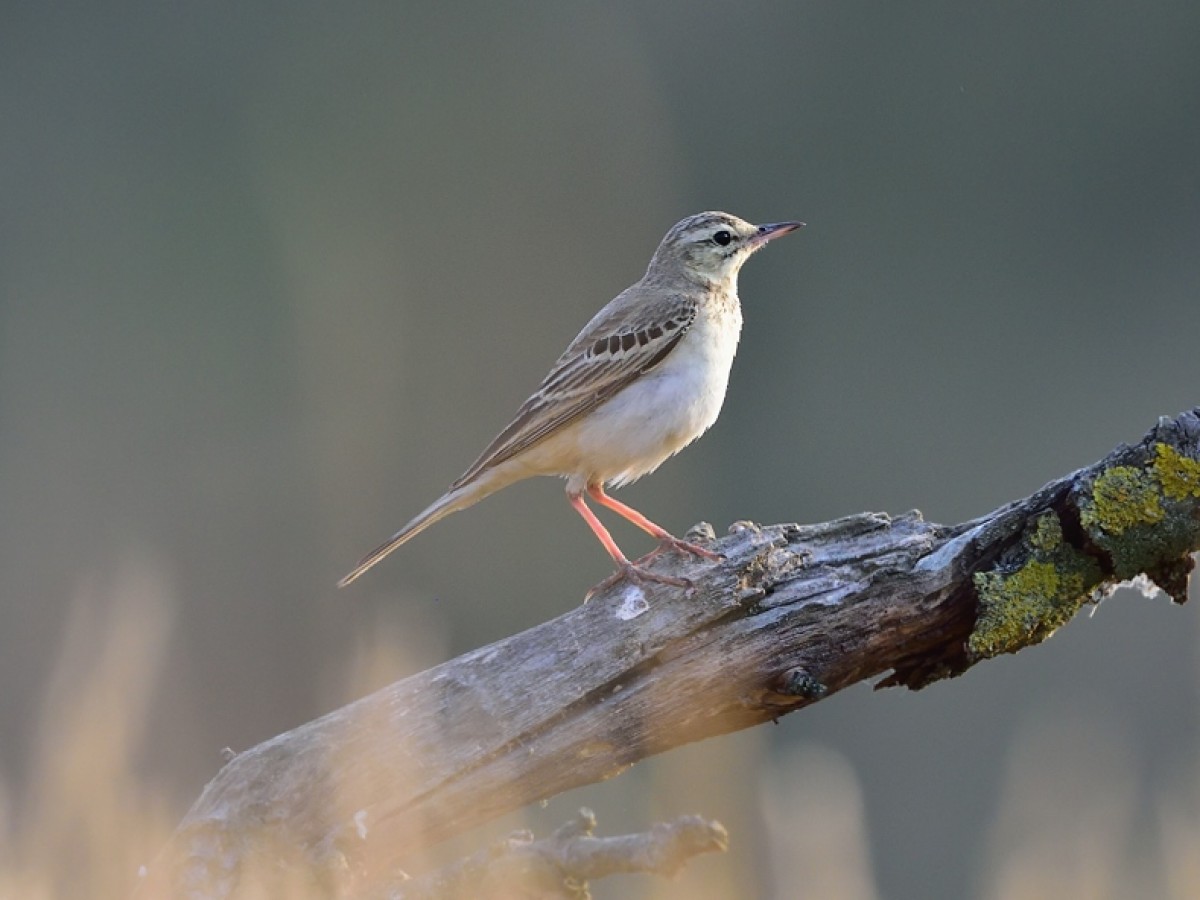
271	275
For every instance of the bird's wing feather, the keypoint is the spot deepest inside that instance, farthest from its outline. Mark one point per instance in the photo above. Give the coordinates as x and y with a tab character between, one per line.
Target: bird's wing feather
626	339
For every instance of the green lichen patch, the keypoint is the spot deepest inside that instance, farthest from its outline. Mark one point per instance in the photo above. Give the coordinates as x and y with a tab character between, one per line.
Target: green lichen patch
1122	497
1047	533
1178	475
1024	602
1143	517
1139	517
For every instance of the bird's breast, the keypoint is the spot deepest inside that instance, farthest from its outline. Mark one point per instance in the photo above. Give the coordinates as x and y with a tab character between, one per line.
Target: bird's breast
666	408
696	373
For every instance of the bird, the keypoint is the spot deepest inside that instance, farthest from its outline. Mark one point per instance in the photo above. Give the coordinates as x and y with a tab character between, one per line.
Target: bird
642	380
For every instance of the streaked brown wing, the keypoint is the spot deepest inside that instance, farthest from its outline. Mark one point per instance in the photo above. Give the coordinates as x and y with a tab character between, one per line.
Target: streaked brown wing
611	352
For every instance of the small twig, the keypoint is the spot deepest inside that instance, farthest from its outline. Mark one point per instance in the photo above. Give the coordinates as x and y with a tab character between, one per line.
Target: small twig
562	865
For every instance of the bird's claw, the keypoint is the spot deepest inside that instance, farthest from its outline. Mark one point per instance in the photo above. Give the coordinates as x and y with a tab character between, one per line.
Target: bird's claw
696	550
674	543
639	575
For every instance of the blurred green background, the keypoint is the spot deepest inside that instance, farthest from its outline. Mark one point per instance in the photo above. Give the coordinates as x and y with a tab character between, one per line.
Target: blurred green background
272	275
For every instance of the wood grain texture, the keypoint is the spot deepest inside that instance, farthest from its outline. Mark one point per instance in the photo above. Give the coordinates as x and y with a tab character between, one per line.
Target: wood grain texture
792	615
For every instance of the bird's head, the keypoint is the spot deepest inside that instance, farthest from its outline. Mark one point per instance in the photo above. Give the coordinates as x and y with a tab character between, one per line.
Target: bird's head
711	246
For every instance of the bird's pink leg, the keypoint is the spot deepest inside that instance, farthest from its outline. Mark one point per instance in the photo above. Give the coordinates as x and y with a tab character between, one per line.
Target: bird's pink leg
625	569
665	538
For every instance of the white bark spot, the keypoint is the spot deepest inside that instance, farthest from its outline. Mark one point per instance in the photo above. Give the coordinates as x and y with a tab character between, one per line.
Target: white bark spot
633	603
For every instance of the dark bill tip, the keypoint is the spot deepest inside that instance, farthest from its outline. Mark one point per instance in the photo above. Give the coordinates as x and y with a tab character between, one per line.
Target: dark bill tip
774	230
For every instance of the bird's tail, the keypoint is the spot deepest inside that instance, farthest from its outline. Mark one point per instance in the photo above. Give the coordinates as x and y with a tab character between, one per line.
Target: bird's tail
450	502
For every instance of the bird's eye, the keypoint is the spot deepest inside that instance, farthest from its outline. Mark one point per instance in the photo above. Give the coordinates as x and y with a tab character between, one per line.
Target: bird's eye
722	237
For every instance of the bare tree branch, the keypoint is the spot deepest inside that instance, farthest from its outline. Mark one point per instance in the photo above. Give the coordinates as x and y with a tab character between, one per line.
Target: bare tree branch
793	614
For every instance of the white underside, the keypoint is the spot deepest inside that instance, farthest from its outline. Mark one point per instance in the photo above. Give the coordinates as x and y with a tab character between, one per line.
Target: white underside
658	415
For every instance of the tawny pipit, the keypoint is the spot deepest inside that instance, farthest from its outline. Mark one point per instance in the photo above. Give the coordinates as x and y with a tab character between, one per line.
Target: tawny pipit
644	379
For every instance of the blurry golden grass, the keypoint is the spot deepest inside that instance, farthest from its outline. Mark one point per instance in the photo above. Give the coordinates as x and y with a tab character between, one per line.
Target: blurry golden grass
86	821
1065	824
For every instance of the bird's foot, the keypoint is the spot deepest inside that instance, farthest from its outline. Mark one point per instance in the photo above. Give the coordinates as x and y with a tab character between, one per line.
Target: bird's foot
637	574
674	543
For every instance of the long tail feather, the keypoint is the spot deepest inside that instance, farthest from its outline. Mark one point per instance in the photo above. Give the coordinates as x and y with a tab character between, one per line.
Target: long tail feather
450	502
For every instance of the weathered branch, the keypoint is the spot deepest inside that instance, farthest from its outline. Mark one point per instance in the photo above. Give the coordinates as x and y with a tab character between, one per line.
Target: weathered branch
793	614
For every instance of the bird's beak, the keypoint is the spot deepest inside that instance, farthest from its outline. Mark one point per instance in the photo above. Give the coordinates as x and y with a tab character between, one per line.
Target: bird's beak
770	232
